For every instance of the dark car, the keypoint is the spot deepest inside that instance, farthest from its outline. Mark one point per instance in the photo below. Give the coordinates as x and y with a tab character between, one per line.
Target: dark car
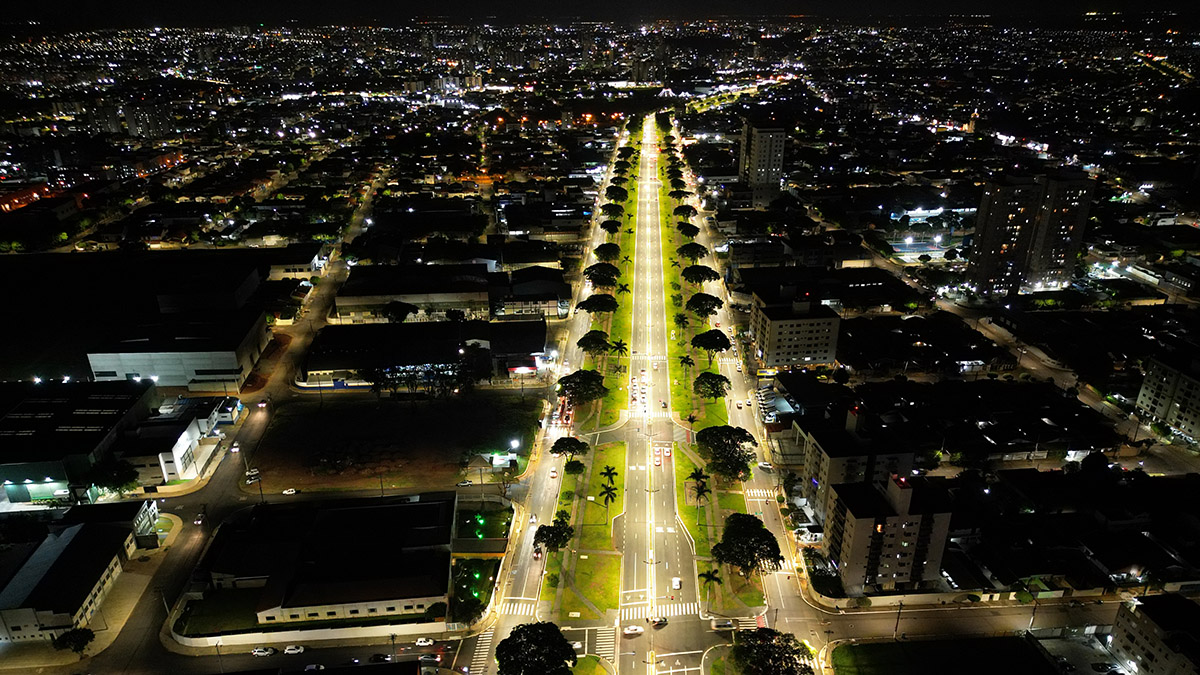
381	658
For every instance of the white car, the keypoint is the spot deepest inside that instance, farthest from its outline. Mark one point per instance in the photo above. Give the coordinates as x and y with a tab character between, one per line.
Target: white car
262	651
765	465
577	645
676	583
293	649
424	642
739	405
290	491
633	630
554	473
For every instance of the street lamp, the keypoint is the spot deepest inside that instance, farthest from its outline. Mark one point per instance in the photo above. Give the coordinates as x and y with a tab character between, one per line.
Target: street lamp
514	443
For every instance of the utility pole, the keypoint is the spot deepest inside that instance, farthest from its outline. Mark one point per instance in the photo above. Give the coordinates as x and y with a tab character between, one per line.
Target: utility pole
896	630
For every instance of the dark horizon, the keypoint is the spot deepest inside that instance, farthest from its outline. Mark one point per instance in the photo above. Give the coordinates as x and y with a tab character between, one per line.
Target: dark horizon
145	13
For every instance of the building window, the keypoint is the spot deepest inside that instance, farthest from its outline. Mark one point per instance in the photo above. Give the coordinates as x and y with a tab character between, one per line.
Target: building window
330	613
312	615
391	609
270	618
354	611
293	616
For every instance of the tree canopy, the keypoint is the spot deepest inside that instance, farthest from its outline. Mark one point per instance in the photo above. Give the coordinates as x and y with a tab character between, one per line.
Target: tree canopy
699	274
711	385
766	651
594	342
607	252
703	305
612	227
688	230
582	386
692	251
612	210
726	446
600	302
569	446
712	341
602	274
114	475
616	193
397	312
535	649
685	211
555	535
747	545
76	639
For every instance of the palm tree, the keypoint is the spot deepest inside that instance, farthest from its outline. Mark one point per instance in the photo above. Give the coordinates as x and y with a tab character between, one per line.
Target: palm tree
708	578
691	420
687	361
626	259
619	348
681	320
674	263
622	288
609	494
609	473
702	491
697	475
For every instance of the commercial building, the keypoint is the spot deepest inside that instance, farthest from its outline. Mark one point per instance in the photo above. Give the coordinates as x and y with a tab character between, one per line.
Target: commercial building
1029	232
889	537
836	454
52	433
1158	635
761	161
802	335
58	584
1170	392
432	289
337	560
202	351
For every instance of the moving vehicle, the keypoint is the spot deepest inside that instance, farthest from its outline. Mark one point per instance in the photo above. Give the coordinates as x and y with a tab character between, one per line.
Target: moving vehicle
577	645
199	519
658	621
263	651
380	658
313	666
235	447
430	658
667	451
633	630
721	624
766	466
252	480
424	642
537	554
739	405
676	583
554	473
656	365
293	649
463	483
658	461
663	404
252	472
290	491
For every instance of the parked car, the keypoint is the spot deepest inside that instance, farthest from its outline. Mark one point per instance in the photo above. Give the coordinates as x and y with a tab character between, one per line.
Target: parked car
464	483
263	651
293	649
290	491
252	472
424	642
252	480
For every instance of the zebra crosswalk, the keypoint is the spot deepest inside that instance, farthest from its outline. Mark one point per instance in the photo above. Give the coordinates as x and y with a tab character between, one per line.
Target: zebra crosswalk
606	643
647	611
517	607
751	623
483	648
655	414
758	493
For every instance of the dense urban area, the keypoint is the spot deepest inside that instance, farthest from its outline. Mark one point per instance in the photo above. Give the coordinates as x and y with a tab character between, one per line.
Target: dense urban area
762	346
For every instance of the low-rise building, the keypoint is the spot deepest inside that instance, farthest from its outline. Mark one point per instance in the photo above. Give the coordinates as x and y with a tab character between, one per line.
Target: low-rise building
433	289
1158	635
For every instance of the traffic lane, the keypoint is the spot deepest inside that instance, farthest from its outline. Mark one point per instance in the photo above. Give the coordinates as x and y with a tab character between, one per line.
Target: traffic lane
965	621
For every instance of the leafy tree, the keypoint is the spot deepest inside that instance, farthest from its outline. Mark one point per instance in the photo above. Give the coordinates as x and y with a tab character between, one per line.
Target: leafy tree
685	211
621	165
616	193
612	227
766	651
726	447
688	230
699	274
569	446
573	467
712	341
925	257
76	639
625	152
601	302
747	545
711	385
535	649
601	271
674	172
114	475
435	611
704	305
951	254
692	251
582	386
456	315
679	195
619	180
607	252
397	312
841	376
678	184
594	342
612	210
553	536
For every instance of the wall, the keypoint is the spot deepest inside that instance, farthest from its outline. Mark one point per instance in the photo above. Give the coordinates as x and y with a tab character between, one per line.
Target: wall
381	632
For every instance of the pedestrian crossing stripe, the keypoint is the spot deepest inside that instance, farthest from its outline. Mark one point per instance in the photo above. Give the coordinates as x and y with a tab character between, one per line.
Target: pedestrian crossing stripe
606	643
483	648
760	494
517	608
751	623
669	610
656	414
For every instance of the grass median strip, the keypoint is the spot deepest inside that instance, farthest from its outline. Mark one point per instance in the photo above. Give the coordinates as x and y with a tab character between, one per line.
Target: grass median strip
597	521
597	576
550	579
685	505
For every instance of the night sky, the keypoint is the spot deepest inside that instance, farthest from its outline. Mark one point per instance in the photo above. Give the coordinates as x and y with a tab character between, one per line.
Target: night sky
276	12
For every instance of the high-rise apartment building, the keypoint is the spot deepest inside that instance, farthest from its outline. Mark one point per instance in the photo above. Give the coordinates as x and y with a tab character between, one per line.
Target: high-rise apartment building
149	120
761	163
1158	635
1029	232
890	537
1170	393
